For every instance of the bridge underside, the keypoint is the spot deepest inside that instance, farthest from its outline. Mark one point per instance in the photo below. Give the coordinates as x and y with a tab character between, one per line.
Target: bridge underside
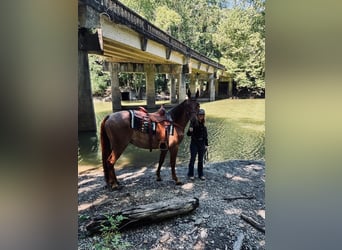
128	49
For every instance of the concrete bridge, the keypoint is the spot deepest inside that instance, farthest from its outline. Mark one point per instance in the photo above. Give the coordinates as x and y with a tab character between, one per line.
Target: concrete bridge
129	43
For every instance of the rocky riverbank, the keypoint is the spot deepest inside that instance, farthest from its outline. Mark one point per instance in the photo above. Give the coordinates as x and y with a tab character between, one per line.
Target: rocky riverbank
233	190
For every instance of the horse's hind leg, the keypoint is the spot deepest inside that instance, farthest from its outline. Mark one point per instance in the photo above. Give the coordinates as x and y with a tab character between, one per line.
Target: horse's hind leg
111	180
161	161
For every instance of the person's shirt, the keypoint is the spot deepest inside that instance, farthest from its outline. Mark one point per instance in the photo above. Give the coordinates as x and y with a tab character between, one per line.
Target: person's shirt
199	133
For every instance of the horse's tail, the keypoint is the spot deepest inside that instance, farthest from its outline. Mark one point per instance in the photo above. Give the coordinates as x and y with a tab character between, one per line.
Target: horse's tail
105	147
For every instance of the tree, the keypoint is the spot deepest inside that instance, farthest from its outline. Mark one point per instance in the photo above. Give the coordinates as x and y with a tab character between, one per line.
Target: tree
229	31
100	80
241	39
167	19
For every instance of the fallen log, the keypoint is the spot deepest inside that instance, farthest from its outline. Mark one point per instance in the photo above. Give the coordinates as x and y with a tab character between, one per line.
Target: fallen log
145	214
252	222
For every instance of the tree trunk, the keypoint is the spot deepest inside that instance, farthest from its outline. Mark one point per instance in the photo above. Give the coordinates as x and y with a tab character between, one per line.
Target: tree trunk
145	214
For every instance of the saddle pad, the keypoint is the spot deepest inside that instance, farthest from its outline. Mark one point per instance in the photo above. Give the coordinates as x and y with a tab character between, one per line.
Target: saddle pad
142	125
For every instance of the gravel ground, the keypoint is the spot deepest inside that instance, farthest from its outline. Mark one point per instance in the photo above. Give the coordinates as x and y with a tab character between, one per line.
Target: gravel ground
232	188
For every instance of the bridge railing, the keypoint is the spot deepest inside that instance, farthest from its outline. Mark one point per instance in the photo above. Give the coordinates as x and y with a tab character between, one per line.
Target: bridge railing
121	14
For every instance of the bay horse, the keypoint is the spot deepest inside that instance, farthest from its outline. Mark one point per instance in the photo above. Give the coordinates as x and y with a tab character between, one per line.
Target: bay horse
117	133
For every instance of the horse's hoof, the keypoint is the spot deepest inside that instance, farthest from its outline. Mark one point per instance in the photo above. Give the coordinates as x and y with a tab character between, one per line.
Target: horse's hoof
159	179
179	183
114	187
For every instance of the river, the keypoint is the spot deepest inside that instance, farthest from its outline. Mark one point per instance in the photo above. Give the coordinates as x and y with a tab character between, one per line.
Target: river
236	130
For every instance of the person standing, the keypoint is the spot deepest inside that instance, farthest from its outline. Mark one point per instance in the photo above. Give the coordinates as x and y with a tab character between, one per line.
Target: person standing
198	145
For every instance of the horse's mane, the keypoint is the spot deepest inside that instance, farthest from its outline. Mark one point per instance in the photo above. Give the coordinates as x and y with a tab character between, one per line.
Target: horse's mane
177	111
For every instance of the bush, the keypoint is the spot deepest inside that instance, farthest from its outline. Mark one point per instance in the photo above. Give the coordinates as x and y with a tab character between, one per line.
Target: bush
110	235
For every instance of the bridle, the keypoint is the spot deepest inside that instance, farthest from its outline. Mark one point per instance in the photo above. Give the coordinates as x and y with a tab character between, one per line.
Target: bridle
189	113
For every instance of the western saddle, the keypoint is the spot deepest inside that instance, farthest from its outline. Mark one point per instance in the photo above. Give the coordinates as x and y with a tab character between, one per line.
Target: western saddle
158	122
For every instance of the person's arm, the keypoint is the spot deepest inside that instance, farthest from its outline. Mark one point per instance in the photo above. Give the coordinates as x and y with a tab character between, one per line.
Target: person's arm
190	130
206	137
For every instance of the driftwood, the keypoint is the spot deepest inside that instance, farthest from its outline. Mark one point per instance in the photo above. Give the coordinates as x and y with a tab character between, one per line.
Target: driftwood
242	197
255	224
238	242
145	214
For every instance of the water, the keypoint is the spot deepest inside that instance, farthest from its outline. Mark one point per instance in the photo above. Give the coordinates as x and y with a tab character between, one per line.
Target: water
236	130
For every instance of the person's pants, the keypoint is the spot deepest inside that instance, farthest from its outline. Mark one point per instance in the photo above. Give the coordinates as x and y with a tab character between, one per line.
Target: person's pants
196	148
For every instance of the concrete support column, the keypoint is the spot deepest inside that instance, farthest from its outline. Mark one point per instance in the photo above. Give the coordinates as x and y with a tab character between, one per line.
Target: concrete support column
173	88
230	88
212	87
150	85
192	84
116	94
86	114
216	84
200	83
181	87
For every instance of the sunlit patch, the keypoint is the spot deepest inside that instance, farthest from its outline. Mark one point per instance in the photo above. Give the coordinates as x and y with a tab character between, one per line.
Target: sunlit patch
188	186
261	213
87	188
89	204
204	233
86	181
252	167
204	195
239	178
229	176
233	211
199	245
128	176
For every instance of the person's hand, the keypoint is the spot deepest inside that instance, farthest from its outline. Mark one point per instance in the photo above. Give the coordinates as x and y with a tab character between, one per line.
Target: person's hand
191	129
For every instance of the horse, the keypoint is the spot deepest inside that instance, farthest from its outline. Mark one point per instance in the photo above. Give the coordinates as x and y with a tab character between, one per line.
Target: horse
117	132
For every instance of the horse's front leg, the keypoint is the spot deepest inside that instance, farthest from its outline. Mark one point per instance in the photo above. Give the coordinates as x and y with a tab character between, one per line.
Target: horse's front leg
173	157
161	161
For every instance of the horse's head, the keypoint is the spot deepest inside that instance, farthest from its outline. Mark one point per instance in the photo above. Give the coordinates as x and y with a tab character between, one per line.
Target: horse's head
192	106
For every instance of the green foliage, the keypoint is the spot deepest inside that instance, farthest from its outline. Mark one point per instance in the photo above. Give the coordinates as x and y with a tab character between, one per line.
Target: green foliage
166	19
241	39
230	31
110	236
100	80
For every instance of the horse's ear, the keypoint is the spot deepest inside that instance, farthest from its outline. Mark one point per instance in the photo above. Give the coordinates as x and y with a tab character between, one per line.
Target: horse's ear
189	93
197	93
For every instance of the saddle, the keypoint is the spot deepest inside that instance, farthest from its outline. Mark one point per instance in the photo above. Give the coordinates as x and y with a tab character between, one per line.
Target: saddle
158	123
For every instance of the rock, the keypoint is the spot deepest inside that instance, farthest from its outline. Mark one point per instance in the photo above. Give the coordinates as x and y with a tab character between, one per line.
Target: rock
203	234
198	222
206	216
164	238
